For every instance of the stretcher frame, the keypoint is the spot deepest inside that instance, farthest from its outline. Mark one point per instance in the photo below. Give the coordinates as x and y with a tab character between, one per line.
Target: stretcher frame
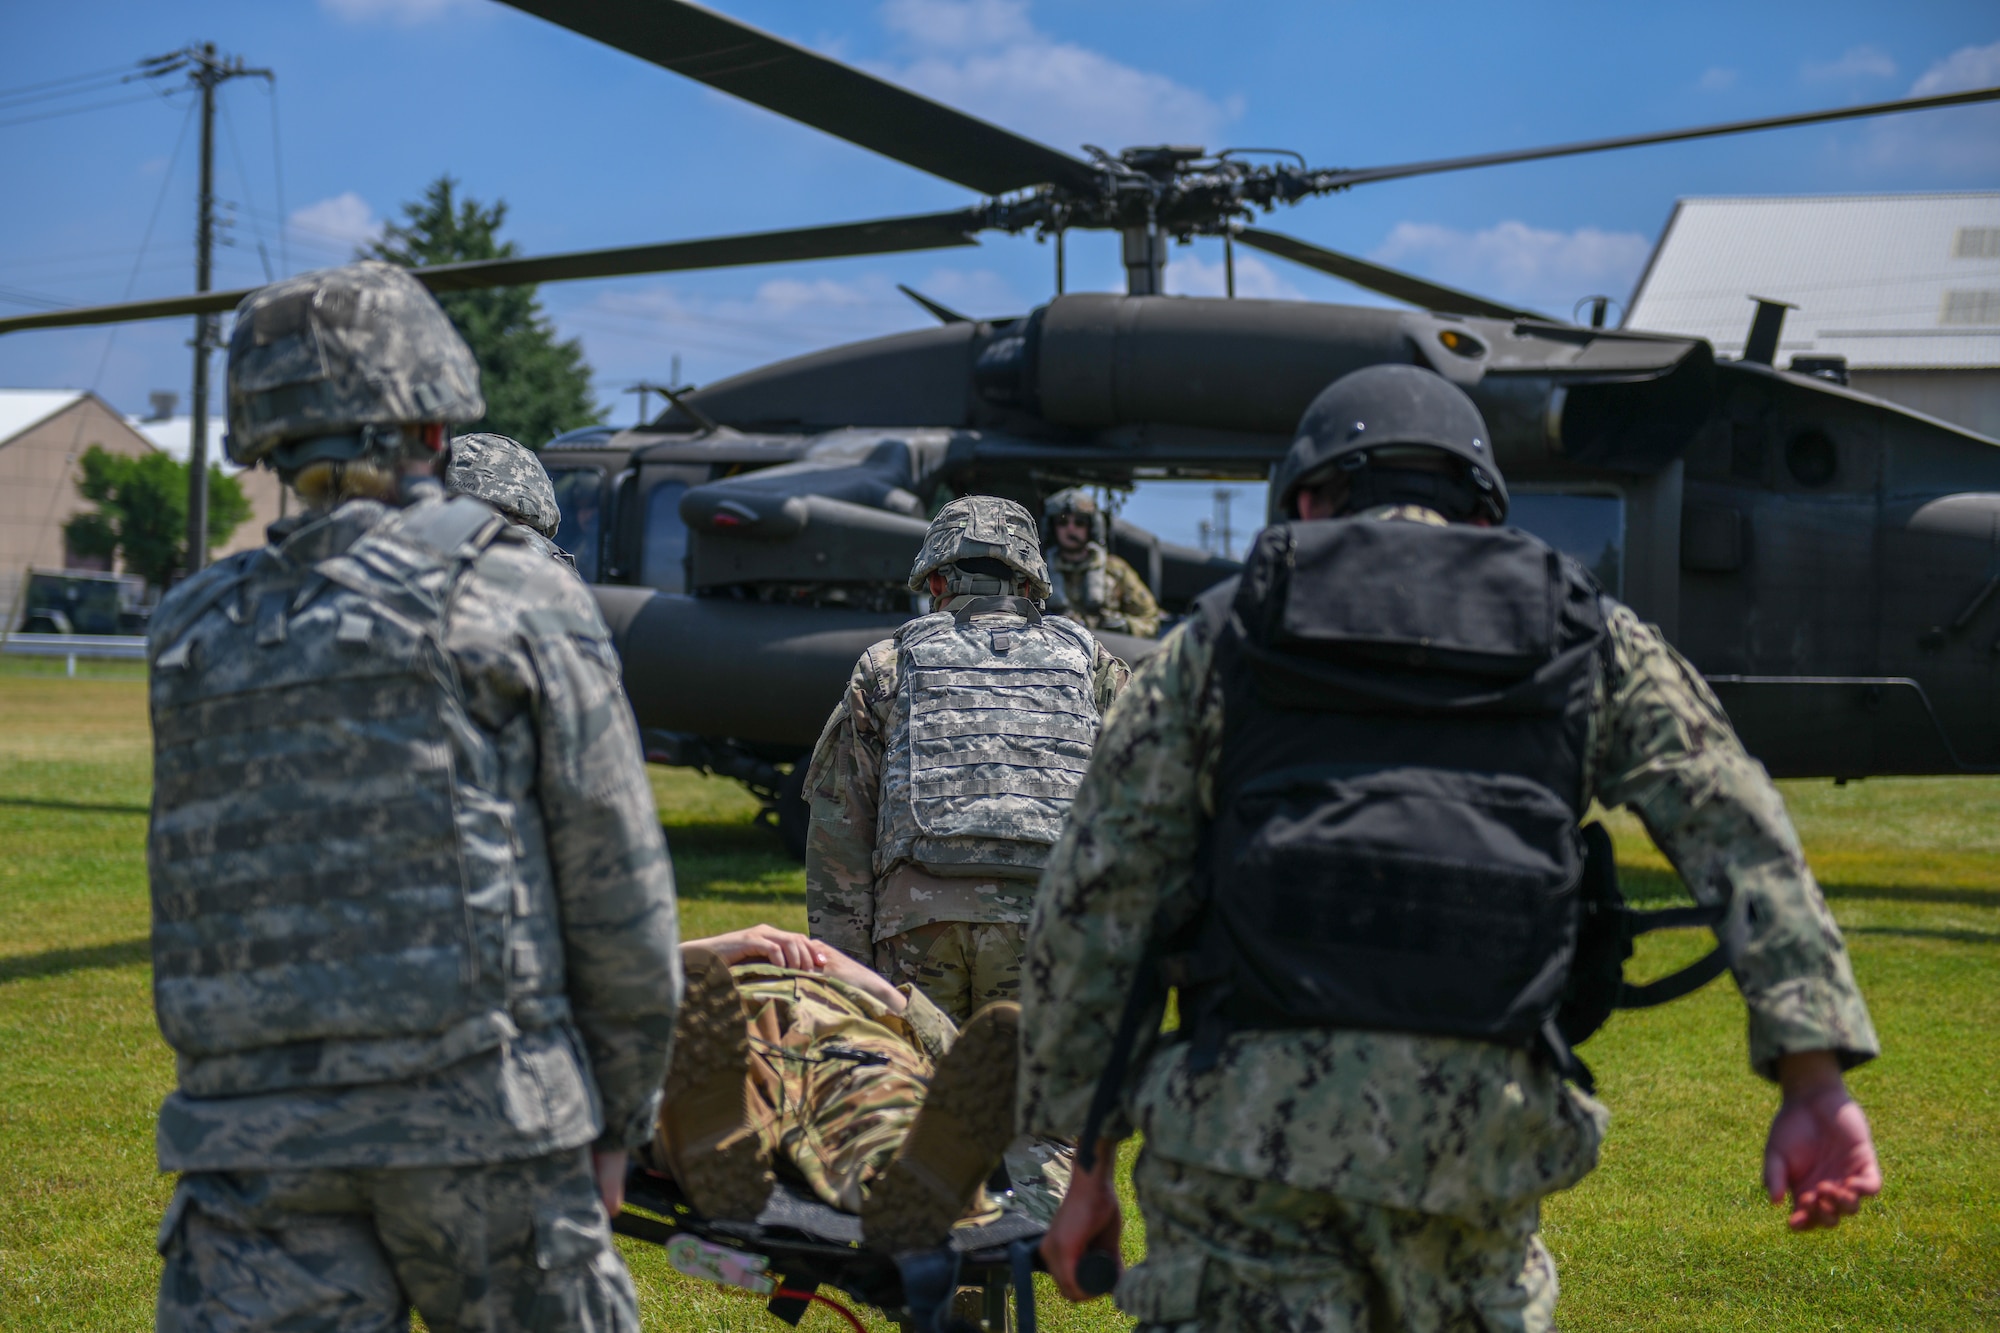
798	1245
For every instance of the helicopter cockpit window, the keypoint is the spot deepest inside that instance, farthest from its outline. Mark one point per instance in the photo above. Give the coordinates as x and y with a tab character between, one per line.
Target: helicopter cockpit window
580	494
663	557
1589	527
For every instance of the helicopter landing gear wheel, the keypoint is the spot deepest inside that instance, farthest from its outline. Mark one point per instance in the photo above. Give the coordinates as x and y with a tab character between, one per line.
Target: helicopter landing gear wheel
792	813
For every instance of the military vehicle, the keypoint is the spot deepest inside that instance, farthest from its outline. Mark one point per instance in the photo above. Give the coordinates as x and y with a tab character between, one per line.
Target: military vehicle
1827	559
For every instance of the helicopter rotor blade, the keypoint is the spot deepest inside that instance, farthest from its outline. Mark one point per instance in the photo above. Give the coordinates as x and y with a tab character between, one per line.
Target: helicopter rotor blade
814	90
926	231
1388	281
1335	180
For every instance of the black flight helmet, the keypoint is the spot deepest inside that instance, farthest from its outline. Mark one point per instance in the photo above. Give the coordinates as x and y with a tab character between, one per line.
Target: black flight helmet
1367	423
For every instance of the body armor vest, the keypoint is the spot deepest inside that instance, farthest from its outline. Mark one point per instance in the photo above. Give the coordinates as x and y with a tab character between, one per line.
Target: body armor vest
1084	588
1403	764
335	897
994	729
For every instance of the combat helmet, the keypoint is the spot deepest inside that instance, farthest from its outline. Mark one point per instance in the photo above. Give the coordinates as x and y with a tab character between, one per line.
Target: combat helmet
326	365
505	474
1365	422
1075	500
998	534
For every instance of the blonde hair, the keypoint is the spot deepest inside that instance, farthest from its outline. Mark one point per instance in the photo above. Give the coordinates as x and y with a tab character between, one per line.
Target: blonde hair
328	482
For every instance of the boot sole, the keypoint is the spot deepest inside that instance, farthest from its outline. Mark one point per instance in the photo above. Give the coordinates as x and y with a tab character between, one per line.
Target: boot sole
715	1155
966	1123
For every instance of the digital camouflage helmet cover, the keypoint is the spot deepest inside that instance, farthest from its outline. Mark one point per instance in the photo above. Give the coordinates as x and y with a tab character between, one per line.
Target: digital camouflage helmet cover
326	364
982	528
505	474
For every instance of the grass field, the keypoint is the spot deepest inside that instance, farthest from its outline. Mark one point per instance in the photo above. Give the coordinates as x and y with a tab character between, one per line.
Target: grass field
1671	1233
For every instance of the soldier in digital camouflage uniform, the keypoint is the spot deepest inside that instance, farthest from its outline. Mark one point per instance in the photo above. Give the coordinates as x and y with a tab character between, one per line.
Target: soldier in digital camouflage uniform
1089	583
792	1056
414	938
507	475
1336	1178
943	776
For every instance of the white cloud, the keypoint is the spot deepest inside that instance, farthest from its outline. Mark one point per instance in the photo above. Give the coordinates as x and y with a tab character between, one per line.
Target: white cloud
404	13
1858	62
1967	67
1513	260
987	57
1189	274
1958	140
345	219
1716	78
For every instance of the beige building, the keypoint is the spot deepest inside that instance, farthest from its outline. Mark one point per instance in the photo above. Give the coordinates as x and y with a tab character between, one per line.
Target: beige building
44	434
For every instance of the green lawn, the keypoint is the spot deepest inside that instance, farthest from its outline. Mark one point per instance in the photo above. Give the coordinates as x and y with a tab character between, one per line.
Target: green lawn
1672	1232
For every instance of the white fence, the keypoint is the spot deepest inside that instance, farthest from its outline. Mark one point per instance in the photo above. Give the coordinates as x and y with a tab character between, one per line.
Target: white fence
121	647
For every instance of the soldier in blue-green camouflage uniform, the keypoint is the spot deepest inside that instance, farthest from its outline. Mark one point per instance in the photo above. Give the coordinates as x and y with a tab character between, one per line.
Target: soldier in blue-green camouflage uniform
1352	1176
414	936
943	775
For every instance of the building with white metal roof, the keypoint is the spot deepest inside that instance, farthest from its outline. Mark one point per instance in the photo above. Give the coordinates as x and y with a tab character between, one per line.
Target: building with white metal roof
1905	287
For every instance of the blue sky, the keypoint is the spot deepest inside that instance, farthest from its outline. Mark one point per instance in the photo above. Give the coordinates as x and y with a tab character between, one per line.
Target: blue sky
590	147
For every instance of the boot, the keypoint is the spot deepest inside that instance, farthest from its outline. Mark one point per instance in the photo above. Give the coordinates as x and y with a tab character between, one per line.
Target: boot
705	1134
966	1122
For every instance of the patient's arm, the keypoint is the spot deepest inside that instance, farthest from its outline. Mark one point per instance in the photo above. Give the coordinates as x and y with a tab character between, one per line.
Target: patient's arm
786	948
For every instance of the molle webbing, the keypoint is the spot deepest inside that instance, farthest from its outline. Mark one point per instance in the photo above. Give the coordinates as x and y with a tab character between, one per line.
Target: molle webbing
330	903
1395	847
993	735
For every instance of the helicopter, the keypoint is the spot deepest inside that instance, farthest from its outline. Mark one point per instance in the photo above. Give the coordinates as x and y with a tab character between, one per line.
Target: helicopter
1825	558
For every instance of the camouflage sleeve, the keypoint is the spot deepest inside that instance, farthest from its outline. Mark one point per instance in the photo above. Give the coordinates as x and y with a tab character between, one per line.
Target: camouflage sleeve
1665	750
1124	867
1130	595
614	881
1108	677
842	784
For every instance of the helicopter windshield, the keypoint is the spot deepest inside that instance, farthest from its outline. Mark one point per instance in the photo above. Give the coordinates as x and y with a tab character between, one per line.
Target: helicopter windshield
580	495
1590	528
663	558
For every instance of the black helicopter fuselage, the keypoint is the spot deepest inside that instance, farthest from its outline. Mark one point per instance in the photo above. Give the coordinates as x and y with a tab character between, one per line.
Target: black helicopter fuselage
1828	560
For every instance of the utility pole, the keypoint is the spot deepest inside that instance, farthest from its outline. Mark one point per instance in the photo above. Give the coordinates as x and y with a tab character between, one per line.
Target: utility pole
207	71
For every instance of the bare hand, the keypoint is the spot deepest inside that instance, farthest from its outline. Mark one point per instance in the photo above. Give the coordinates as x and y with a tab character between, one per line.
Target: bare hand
783	948
1089	1219
610	1169
1819	1150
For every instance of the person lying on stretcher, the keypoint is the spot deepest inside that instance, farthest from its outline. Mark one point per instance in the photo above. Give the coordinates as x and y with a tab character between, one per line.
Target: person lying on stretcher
790	1057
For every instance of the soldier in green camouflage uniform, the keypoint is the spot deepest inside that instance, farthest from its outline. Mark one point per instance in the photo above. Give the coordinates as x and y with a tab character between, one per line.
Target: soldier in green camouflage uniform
414	933
506	474
1089	583
839	1063
928	831
1336	1179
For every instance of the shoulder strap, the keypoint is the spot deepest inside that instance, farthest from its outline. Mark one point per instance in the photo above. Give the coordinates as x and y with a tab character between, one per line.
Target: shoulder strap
450	527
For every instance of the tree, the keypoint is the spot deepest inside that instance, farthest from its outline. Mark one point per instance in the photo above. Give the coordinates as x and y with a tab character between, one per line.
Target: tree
142	511
535	386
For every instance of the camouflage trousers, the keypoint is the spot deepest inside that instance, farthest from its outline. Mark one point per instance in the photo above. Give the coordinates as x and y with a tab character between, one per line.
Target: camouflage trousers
513	1245
961	966
836	1080
1225	1254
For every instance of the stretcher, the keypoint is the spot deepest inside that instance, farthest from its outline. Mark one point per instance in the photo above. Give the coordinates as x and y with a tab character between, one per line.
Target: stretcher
799	1247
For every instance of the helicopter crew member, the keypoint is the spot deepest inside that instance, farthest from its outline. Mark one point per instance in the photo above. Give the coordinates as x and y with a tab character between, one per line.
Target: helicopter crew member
1089	584
414	936
507	475
945	772
1330	1146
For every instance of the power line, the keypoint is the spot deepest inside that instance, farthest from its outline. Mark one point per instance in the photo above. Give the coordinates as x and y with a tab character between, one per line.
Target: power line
78	110
118	70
